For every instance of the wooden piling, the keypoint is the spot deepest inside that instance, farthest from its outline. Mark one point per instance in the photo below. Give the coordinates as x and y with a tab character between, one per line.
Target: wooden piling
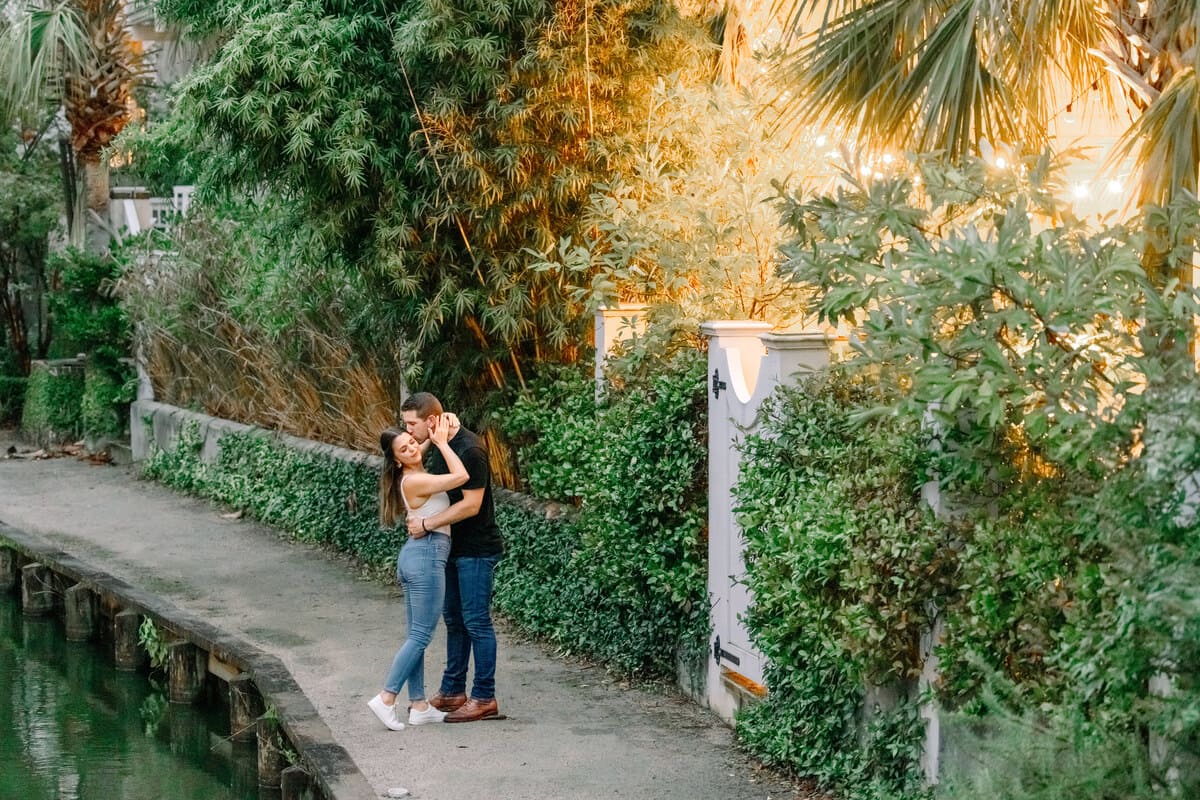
10	569
127	652
186	668
245	707
37	590
82	609
295	783
270	752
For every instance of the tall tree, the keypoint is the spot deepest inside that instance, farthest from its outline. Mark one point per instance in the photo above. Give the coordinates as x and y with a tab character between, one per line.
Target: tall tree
441	147
76	56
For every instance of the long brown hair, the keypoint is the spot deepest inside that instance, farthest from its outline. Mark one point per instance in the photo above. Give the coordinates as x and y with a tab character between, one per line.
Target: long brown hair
391	502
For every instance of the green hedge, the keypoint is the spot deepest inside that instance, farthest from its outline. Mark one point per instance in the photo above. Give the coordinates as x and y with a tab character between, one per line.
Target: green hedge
845	564
104	405
313	497
52	409
12	399
625	580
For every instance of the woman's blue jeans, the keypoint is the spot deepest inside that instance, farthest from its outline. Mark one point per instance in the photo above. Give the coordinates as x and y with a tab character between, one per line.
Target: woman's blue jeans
469	626
421	570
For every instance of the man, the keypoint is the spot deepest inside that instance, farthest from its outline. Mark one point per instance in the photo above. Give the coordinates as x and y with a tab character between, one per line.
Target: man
475	548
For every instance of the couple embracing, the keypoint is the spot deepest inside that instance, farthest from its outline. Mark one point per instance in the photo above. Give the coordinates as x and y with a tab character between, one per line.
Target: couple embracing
445	566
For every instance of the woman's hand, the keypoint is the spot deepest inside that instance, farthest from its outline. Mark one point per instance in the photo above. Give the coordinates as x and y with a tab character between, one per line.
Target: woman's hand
439	434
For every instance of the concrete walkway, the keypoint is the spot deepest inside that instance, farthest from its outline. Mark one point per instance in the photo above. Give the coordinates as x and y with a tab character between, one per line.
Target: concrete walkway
571	731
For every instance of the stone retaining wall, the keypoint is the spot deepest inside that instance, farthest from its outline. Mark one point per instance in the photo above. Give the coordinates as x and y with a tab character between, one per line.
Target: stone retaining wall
326	766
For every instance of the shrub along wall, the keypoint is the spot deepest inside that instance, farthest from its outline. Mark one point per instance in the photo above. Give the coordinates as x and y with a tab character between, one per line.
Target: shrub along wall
846	564
624	580
316	493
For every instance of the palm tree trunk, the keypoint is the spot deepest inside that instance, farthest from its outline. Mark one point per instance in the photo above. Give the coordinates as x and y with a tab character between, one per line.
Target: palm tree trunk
97	224
95	179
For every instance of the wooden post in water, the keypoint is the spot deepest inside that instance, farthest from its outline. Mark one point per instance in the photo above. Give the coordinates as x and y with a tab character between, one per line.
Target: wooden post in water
295	784
245	707
9	569
81	605
37	590
186	668
127	653
270	754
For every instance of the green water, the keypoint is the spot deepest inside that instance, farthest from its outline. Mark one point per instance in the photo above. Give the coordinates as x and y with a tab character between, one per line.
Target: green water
74	728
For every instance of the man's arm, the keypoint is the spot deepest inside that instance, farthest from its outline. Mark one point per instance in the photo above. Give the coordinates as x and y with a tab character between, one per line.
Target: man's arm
472	501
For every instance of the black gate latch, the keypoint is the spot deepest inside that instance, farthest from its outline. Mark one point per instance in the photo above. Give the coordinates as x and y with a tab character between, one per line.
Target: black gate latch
719	654
717	384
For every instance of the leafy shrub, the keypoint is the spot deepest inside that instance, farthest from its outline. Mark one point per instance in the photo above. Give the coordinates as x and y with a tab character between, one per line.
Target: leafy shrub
315	497
625	580
88	315
53	395
1049	364
1015	757
846	566
107	393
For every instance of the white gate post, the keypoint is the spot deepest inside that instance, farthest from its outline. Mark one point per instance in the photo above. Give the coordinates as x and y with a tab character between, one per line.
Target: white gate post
745	365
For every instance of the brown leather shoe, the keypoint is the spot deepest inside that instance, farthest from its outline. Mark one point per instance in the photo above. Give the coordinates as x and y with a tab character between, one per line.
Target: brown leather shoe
473	710
447	702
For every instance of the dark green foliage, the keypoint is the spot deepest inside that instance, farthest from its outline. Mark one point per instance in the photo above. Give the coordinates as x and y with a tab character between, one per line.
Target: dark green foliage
52	408
313	497
89	318
30	205
1011	757
845	564
1050	368
107	393
624	580
12	399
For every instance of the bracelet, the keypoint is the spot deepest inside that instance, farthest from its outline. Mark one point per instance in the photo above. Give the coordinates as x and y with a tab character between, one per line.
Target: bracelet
423	525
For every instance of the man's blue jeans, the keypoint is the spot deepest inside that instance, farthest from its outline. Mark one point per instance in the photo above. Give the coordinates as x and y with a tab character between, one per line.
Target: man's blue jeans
469	628
421	569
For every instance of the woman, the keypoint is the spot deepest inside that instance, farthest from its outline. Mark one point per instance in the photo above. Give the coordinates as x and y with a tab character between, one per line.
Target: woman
405	488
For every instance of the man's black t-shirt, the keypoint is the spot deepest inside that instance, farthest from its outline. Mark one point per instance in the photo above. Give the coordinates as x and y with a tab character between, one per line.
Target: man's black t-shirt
476	536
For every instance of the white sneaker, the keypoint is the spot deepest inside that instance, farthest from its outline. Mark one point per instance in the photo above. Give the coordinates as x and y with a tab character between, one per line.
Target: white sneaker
386	713
430	714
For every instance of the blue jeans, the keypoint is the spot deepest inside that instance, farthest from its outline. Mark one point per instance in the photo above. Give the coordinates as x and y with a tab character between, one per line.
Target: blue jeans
421	570
469	626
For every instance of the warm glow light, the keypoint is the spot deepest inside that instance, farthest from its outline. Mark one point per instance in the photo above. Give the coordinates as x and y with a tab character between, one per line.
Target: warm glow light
1080	191
888	158
1115	187
864	170
1001	162
822	140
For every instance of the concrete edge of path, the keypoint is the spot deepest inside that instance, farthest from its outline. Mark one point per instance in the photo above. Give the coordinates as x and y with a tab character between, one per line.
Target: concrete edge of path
333	768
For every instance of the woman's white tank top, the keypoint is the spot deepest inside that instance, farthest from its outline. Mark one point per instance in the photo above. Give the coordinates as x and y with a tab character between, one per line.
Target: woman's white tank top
435	503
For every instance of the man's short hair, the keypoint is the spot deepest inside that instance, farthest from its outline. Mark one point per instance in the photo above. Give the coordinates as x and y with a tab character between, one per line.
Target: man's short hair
425	404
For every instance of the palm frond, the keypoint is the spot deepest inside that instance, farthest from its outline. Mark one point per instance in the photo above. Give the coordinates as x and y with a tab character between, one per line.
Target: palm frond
1164	141
39	47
